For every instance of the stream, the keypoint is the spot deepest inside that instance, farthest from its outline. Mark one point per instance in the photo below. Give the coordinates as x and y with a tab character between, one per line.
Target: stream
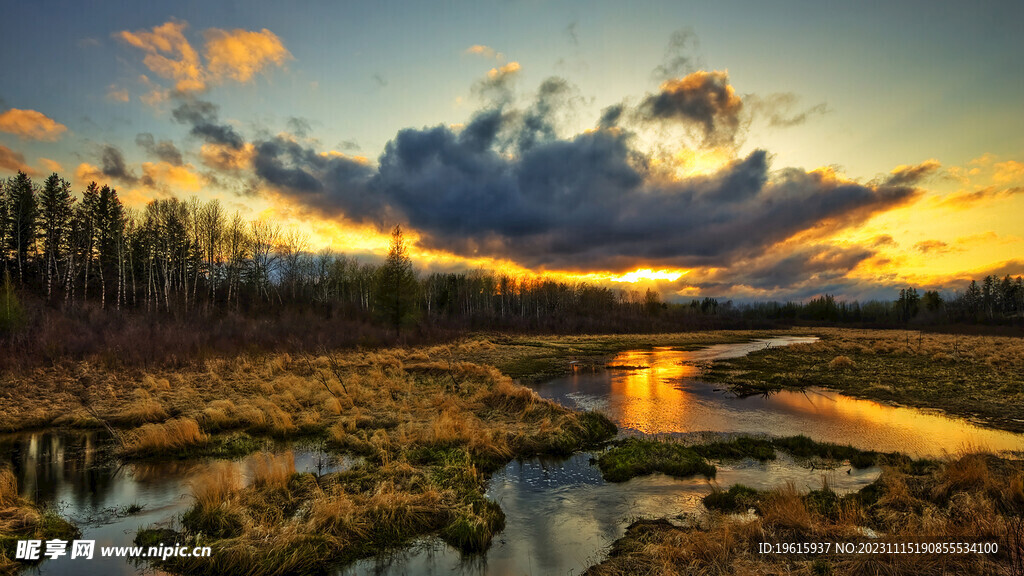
561	516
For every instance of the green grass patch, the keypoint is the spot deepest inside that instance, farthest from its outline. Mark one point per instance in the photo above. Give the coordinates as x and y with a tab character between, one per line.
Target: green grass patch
634	457
738	498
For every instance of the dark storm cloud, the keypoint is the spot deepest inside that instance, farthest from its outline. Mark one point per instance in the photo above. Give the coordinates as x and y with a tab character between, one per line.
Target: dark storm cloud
822	265
506	185
164	149
112	165
583	203
538	124
316	180
702	99
610	116
202	116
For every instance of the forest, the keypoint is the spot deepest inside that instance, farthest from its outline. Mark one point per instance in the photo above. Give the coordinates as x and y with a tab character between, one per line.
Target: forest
82	274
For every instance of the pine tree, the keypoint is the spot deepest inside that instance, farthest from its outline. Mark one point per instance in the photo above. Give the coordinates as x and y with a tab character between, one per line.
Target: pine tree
56	208
21	221
396	296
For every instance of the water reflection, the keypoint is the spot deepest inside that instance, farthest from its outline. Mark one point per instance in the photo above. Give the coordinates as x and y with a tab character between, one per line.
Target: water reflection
561	515
667	397
77	473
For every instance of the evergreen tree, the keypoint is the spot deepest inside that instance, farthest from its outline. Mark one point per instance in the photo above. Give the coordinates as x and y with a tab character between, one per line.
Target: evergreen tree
21	221
396	287
56	208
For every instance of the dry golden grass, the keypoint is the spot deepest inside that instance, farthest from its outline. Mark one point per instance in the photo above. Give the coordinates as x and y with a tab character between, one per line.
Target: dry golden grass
430	431
173	436
215	486
272	470
142	409
8	488
841	362
20	519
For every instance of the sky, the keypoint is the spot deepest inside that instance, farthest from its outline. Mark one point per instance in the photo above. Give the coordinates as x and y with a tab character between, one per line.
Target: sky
742	150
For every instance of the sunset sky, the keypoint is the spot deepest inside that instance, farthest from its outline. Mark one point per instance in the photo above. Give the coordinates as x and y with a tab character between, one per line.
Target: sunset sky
745	150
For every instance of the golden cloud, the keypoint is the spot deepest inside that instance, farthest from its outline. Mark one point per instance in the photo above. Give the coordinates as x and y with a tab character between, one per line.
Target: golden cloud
227	158
1009	172
87	173
51	165
502	71
240	54
31	125
964	199
12	161
236	54
169	54
486	52
164	175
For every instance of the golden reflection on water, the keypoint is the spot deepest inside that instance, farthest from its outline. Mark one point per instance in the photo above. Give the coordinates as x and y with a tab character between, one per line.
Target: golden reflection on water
667	397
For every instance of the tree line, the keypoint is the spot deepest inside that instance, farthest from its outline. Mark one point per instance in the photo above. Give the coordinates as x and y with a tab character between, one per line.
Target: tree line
175	256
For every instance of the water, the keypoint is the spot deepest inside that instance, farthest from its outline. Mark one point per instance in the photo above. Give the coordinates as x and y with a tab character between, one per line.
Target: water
76	473
560	514
667	397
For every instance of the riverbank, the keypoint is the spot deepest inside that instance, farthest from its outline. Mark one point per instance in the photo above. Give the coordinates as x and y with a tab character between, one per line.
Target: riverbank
976	377
431	424
975	500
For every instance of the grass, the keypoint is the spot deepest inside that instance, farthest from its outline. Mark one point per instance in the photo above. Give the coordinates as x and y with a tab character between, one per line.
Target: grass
20	519
971	376
634	457
738	498
171	438
970	497
431	430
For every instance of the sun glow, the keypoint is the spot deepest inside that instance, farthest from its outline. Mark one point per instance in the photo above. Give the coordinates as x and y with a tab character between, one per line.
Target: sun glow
648	274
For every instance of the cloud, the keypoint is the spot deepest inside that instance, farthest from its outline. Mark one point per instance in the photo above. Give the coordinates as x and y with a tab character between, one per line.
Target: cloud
538	124
581	203
680	55
170	177
933	247
12	161
31	125
51	165
117	94
227	158
164	150
113	165
240	54
912	174
86	173
310	177
963	199
169	54
702	99
485	51
781	111
802	270
202	116
883	240
230	54
571	34
1008	172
